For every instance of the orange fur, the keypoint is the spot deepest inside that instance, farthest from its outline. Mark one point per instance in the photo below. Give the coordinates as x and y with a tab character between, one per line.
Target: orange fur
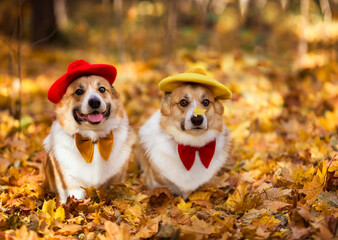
172	116
53	170
173	113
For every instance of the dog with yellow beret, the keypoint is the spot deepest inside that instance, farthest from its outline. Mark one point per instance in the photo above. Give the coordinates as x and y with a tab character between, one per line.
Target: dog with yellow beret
90	142
186	141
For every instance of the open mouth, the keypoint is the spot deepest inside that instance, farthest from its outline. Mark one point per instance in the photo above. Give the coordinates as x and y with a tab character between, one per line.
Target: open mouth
94	117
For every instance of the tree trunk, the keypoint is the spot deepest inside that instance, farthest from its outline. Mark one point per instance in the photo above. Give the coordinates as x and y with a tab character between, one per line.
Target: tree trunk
43	19
302	45
171	28
118	13
325	6
61	13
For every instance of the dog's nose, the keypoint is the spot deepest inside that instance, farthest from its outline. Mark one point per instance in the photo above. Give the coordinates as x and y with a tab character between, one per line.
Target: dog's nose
197	120
94	103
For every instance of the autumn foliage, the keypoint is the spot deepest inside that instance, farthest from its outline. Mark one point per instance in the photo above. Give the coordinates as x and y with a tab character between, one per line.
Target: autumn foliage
280	182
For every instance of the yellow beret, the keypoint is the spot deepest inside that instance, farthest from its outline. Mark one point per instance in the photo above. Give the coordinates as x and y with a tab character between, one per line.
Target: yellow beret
195	76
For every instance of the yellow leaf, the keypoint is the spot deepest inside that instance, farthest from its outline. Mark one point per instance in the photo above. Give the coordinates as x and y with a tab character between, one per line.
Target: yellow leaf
322	170
131	216
140	197
300	176
297	174
200	195
48	207
236	200
267	219
312	189
185	207
329	121
240	132
60	214
334	168
322	207
135	211
309	173
198	111
97	218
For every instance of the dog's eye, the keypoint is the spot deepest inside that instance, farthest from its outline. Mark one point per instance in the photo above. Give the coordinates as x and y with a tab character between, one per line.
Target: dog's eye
184	103
205	102
102	89
79	92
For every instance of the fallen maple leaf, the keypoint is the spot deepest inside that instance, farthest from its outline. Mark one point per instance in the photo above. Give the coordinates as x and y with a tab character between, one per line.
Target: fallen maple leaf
276	193
59	214
185	207
314	188
330	198
158	199
239	203
263	231
69	229
198	111
274	205
24	234
149	229
48	207
114	232
200	195
199	226
299	232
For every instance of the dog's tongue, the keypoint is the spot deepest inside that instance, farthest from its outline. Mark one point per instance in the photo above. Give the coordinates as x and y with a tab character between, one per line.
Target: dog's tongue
97	117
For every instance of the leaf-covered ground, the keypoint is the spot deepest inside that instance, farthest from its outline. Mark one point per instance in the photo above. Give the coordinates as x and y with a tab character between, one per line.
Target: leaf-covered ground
281	180
279	183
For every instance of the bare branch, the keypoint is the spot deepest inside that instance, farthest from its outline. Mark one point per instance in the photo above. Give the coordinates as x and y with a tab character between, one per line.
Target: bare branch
42	40
325	6
19	62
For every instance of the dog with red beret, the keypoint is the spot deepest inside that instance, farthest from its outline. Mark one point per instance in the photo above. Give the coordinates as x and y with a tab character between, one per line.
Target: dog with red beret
90	141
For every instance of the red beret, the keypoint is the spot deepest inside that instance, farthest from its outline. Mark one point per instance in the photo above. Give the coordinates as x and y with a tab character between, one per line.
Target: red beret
75	70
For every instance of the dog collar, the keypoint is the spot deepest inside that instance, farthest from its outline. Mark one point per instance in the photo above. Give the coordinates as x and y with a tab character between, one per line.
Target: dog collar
86	146
187	154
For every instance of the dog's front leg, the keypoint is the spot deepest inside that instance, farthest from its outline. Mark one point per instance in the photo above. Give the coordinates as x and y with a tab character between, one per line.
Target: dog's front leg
63	194
70	191
77	193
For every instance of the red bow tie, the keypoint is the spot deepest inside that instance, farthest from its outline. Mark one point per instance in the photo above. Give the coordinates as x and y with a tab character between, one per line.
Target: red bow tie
187	154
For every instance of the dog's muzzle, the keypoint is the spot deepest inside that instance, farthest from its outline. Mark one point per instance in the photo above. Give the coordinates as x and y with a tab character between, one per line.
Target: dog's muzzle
196	121
94	103
95	117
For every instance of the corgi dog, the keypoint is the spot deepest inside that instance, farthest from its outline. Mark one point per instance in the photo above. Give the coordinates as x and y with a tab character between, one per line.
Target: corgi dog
90	141
186	142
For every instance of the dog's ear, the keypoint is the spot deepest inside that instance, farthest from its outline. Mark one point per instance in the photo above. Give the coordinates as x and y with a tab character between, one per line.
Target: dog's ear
113	92
219	109
165	109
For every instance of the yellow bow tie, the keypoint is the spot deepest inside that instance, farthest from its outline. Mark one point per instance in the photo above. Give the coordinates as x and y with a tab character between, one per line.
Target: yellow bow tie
86	146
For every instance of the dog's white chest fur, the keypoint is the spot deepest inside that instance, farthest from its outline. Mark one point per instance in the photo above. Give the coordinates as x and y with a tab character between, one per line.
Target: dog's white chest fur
73	166
162	152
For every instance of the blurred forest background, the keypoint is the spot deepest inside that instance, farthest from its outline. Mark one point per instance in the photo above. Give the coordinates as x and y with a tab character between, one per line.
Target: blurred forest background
40	37
278	57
